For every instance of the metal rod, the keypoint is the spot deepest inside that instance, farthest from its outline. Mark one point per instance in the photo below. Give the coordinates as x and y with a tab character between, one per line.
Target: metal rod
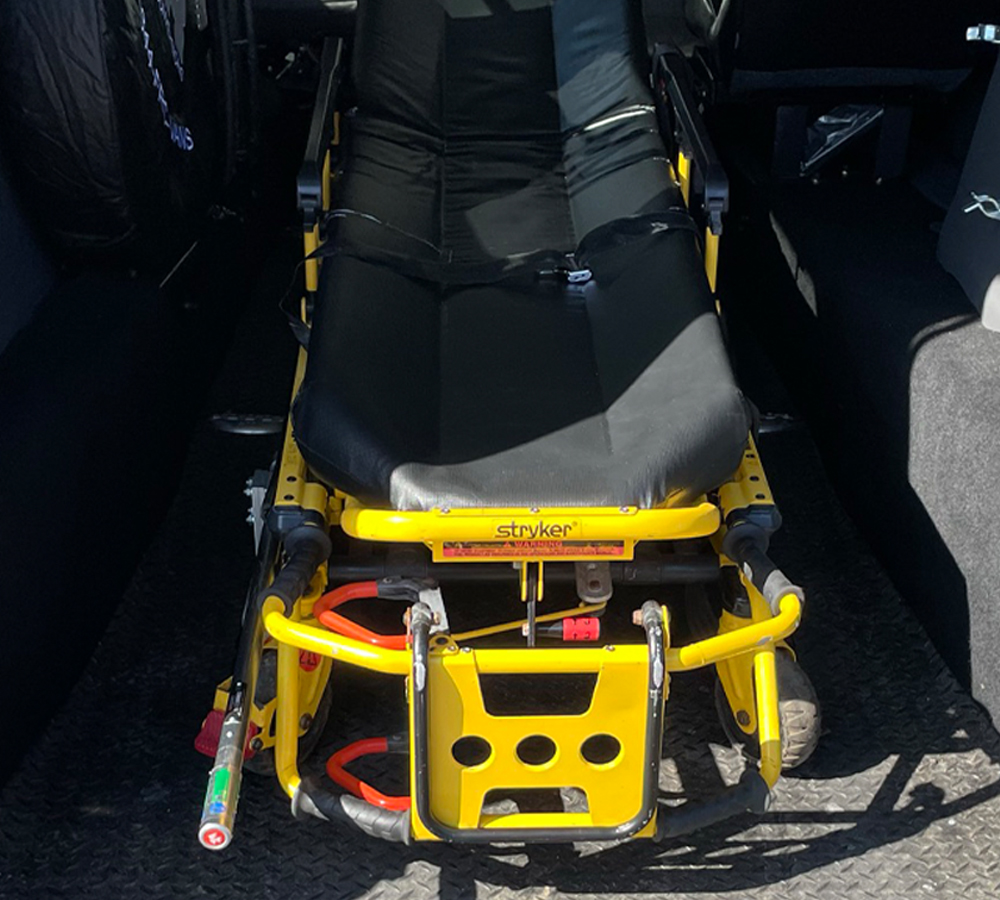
532	601
666	569
219	810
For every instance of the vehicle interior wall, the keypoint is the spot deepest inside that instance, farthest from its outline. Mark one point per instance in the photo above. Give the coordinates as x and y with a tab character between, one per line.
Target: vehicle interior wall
838	275
28	274
103	379
88	459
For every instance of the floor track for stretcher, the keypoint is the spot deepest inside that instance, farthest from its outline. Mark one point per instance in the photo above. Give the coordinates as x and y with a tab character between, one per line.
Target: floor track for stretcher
901	799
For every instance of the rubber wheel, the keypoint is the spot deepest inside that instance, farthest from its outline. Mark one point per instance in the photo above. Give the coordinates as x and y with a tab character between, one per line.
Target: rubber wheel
262	762
798	715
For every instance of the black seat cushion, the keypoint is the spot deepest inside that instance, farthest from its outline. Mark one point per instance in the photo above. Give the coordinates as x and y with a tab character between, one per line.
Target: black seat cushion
450	364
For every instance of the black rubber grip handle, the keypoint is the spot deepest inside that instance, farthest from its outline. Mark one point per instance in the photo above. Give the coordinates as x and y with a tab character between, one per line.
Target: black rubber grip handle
768	578
744	544
307	548
388	824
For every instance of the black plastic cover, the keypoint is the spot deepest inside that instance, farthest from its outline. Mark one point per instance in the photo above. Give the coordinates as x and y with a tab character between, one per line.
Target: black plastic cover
298	21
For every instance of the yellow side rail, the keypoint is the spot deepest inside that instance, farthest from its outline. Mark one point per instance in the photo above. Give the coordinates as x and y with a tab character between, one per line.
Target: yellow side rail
742	640
397	662
757	640
336	646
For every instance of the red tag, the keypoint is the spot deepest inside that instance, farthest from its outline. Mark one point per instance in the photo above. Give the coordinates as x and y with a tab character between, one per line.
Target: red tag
207	741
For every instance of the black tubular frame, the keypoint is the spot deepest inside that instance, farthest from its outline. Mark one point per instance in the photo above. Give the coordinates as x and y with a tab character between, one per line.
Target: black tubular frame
243	684
652	621
695	568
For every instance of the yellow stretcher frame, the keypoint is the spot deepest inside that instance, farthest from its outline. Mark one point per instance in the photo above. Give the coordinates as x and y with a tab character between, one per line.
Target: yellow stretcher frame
753	645
743	651
537	534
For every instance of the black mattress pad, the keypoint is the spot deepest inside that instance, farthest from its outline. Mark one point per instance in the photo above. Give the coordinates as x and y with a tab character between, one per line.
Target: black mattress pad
512	308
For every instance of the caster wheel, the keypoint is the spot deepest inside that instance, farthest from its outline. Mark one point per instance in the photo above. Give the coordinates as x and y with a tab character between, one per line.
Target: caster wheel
798	715
262	762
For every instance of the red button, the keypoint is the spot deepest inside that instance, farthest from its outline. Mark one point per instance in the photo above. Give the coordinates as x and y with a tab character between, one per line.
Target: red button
213	837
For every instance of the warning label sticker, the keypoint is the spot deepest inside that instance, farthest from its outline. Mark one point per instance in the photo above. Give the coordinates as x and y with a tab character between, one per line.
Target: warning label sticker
530	549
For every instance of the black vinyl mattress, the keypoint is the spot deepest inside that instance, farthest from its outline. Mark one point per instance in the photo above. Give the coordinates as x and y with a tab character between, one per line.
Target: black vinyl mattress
512	309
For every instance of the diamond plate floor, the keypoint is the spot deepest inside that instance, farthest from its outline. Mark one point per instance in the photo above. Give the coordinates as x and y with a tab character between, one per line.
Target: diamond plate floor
902	799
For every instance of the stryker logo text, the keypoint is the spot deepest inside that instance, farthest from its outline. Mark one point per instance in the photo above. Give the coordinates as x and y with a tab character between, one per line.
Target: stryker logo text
534	530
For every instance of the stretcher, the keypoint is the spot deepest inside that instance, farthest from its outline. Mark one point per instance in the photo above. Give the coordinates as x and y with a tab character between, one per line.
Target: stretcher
512	372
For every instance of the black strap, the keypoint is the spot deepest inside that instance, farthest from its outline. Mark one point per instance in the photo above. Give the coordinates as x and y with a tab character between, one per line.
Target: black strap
299	328
602	253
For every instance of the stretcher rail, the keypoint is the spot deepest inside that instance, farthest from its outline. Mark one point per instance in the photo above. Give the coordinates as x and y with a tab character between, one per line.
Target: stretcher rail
702	653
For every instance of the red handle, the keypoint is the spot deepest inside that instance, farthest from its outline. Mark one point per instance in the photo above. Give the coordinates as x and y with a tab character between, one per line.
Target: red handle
335	769
323	610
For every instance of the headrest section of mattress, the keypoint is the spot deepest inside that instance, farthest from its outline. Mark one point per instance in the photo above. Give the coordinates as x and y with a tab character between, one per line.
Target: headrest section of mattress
468	67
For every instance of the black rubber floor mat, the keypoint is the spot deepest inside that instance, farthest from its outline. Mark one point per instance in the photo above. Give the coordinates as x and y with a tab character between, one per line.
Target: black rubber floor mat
900	801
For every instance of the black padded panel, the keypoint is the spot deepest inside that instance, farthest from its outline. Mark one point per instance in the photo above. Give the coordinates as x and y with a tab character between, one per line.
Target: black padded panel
484	68
788	44
491	143
111	127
